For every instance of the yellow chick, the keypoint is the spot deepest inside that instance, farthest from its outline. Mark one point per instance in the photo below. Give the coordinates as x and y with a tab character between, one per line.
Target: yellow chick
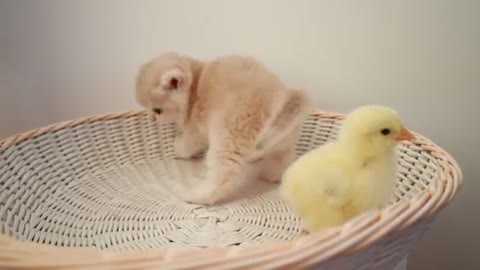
338	181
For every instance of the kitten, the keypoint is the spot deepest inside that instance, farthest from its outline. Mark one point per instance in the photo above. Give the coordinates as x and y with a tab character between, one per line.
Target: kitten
232	108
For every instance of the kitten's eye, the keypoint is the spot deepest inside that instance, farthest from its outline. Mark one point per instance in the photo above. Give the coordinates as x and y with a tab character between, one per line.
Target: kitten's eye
385	131
158	111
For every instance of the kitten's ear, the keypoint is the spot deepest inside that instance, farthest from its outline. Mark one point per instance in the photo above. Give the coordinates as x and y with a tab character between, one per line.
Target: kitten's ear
172	79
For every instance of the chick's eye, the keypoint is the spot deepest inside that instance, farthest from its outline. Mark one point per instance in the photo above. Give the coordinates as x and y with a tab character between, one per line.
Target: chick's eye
385	131
158	111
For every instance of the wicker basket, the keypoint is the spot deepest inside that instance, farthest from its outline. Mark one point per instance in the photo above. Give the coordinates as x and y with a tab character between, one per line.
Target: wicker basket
91	193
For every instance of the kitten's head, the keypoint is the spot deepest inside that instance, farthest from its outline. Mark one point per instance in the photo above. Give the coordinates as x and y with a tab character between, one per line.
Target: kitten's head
162	86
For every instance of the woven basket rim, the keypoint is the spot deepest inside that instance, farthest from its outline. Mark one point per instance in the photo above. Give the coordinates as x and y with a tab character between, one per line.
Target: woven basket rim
299	253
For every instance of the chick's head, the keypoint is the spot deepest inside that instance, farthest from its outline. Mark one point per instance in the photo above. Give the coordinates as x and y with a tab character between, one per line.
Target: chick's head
374	129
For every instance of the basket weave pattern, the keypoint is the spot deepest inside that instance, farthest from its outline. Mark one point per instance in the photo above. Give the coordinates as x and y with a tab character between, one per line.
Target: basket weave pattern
105	186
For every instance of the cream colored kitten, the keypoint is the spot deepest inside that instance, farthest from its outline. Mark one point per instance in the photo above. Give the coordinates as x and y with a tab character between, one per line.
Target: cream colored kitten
232	108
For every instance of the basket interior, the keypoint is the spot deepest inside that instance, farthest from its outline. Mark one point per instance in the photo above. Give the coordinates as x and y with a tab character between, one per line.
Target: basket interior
112	184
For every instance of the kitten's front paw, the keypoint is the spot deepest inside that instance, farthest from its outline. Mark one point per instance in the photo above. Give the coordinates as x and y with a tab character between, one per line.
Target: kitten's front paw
180	148
202	195
202	200
199	198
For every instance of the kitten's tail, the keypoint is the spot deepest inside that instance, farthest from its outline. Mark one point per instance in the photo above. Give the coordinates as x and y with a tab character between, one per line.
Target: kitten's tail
295	109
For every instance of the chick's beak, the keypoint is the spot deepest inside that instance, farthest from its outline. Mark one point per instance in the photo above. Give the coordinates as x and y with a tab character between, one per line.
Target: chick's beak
405	135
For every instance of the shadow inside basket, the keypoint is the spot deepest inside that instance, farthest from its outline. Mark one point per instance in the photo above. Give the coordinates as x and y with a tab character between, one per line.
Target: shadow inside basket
114	184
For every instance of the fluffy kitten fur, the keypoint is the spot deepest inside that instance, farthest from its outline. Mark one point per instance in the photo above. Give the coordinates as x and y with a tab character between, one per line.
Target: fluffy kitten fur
232	108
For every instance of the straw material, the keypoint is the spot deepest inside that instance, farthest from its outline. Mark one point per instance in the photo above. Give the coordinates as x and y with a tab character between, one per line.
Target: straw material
92	193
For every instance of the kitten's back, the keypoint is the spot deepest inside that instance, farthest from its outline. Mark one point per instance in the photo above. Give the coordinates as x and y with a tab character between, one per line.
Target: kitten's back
239	82
241	72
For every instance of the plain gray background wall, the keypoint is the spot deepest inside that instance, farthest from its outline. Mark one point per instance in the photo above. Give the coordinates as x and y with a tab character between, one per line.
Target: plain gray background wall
66	59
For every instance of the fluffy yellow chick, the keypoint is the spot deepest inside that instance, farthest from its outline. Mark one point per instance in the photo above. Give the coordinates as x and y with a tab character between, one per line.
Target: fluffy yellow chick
338	181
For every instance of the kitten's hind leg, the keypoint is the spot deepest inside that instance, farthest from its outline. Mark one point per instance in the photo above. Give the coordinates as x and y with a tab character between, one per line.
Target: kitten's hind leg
274	164
286	127
277	158
278	143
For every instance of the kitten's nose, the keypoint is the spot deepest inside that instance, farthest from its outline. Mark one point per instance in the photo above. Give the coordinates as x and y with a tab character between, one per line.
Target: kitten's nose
154	113
152	116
